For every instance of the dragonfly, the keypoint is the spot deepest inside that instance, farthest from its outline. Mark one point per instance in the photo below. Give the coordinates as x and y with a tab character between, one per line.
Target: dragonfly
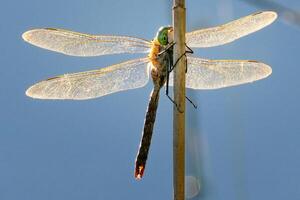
201	73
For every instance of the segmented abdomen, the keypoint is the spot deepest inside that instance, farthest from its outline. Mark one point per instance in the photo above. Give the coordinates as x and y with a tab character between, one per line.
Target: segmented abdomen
141	158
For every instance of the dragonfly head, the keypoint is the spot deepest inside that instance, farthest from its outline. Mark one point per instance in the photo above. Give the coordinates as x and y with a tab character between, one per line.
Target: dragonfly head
165	35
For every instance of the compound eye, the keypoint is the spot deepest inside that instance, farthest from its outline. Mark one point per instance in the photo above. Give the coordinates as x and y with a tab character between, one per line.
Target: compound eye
163	38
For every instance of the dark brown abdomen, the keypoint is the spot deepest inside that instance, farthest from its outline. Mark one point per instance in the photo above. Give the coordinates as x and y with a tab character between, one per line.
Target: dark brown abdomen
141	158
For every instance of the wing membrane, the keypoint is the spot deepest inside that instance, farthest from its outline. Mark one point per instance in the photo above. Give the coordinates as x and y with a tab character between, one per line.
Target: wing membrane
231	31
91	84
214	74
79	44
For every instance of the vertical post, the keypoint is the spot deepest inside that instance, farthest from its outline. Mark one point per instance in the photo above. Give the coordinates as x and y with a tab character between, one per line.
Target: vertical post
179	97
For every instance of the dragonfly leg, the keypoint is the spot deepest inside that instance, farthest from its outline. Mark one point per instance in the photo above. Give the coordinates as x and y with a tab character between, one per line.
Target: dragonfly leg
189	50
194	105
167	93
167	87
171	69
174	103
169	47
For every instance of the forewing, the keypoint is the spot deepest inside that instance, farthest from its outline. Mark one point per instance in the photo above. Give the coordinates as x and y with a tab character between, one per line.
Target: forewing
214	74
91	84
231	31
80	44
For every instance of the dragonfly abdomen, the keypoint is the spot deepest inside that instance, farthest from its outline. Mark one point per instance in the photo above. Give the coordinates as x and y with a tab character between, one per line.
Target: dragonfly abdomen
141	158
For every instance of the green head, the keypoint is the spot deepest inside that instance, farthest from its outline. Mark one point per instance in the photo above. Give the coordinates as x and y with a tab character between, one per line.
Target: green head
164	35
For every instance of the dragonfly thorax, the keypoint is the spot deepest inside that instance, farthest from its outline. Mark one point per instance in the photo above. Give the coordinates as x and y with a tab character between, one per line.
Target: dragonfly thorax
161	58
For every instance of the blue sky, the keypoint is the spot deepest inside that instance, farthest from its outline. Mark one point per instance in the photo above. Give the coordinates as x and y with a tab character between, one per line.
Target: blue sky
243	142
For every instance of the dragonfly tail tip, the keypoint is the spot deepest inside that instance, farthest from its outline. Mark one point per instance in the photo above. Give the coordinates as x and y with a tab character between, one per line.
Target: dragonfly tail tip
139	172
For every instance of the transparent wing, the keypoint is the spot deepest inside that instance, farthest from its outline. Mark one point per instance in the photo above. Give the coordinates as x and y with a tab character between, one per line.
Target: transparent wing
79	44
231	31
214	74
91	84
